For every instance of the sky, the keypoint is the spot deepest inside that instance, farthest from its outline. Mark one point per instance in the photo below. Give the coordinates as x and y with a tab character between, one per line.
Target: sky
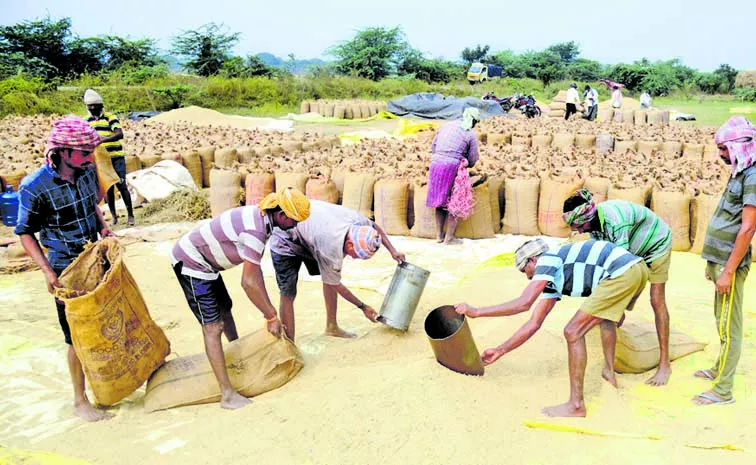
693	30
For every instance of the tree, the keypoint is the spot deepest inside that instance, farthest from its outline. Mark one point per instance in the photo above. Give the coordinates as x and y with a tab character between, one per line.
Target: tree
584	70
374	53
414	64
119	51
206	48
547	66
567	51
45	40
728	74
477	54
512	65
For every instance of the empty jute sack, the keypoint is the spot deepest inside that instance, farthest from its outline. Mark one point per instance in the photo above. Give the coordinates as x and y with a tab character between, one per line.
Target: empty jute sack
113	334
638	347
256	363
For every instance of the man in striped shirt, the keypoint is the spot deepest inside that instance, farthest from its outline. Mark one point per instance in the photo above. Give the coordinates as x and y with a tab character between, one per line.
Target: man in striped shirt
728	254
109	129
640	231
610	276
234	237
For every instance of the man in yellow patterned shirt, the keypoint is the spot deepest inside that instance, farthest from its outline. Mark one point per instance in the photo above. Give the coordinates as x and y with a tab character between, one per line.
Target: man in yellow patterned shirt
109	129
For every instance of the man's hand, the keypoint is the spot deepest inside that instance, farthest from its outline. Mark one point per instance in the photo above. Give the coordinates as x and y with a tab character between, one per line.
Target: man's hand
370	314
52	281
399	257
467	310
274	327
106	232
724	283
491	355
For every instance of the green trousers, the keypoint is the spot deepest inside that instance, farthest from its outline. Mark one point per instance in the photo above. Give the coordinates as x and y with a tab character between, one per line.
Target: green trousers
728	312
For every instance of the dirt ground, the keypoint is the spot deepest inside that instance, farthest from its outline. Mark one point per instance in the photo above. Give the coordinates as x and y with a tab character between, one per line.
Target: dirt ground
381	398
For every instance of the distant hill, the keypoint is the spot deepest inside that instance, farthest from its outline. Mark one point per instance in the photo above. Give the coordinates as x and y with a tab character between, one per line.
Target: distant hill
299	67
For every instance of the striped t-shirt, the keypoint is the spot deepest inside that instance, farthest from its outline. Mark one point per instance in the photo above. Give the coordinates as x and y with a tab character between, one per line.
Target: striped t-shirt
728	218
105	125
234	236
576	269
634	228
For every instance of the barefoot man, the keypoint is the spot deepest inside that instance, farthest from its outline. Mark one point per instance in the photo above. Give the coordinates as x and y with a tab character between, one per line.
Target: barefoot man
611	278
727	251
321	243
237	236
59	201
641	232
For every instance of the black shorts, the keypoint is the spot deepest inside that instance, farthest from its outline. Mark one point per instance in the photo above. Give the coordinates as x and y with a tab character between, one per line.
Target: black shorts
119	166
287	271
208	298
61	308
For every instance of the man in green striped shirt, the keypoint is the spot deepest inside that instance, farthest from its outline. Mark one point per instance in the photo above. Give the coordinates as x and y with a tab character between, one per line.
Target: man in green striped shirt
641	232
109	129
727	251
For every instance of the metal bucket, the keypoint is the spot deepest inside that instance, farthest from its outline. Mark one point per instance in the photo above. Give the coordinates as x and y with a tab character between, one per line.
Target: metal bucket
403	295
452	341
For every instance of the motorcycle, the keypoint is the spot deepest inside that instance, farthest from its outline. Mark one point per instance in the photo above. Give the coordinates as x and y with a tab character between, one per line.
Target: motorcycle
505	103
527	105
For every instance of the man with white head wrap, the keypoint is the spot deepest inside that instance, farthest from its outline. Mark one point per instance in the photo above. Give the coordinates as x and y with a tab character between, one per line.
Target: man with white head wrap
109	128
727	251
455	141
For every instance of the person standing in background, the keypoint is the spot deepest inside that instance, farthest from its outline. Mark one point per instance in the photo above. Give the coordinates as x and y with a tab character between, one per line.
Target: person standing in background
109	129
572	101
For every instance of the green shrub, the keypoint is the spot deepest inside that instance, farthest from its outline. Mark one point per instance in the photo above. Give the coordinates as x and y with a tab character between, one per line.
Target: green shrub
747	94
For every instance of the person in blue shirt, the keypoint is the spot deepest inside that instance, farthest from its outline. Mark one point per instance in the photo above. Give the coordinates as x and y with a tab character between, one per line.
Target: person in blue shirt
59	202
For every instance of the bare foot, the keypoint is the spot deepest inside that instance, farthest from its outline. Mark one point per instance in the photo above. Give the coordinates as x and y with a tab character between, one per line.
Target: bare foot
711	397
132	221
439	239
338	332
453	241
565	410
232	400
86	411
609	375
661	377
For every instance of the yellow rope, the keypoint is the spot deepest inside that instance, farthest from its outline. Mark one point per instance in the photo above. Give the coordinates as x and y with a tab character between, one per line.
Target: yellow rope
724	329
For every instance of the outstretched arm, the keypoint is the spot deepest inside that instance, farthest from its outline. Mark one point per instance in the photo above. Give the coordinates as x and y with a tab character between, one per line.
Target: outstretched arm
523	334
513	307
344	292
395	254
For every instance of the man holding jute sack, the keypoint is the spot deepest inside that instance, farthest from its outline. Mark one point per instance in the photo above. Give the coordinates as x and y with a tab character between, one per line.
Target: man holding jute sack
59	201
236	236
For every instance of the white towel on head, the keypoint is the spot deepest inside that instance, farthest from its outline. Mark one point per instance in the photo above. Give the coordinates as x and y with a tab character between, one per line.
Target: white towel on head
92	98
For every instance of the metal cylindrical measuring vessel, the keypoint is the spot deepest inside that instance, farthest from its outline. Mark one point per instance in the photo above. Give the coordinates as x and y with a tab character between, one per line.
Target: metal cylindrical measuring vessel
403	295
452	342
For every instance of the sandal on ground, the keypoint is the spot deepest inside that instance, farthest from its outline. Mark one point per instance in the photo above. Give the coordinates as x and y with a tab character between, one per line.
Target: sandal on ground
705	374
714	399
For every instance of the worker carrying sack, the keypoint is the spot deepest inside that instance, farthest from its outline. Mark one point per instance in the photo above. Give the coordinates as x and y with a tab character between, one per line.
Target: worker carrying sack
114	337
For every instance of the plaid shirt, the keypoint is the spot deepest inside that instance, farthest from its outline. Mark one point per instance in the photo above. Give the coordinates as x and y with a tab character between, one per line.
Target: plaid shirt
453	141
63	214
